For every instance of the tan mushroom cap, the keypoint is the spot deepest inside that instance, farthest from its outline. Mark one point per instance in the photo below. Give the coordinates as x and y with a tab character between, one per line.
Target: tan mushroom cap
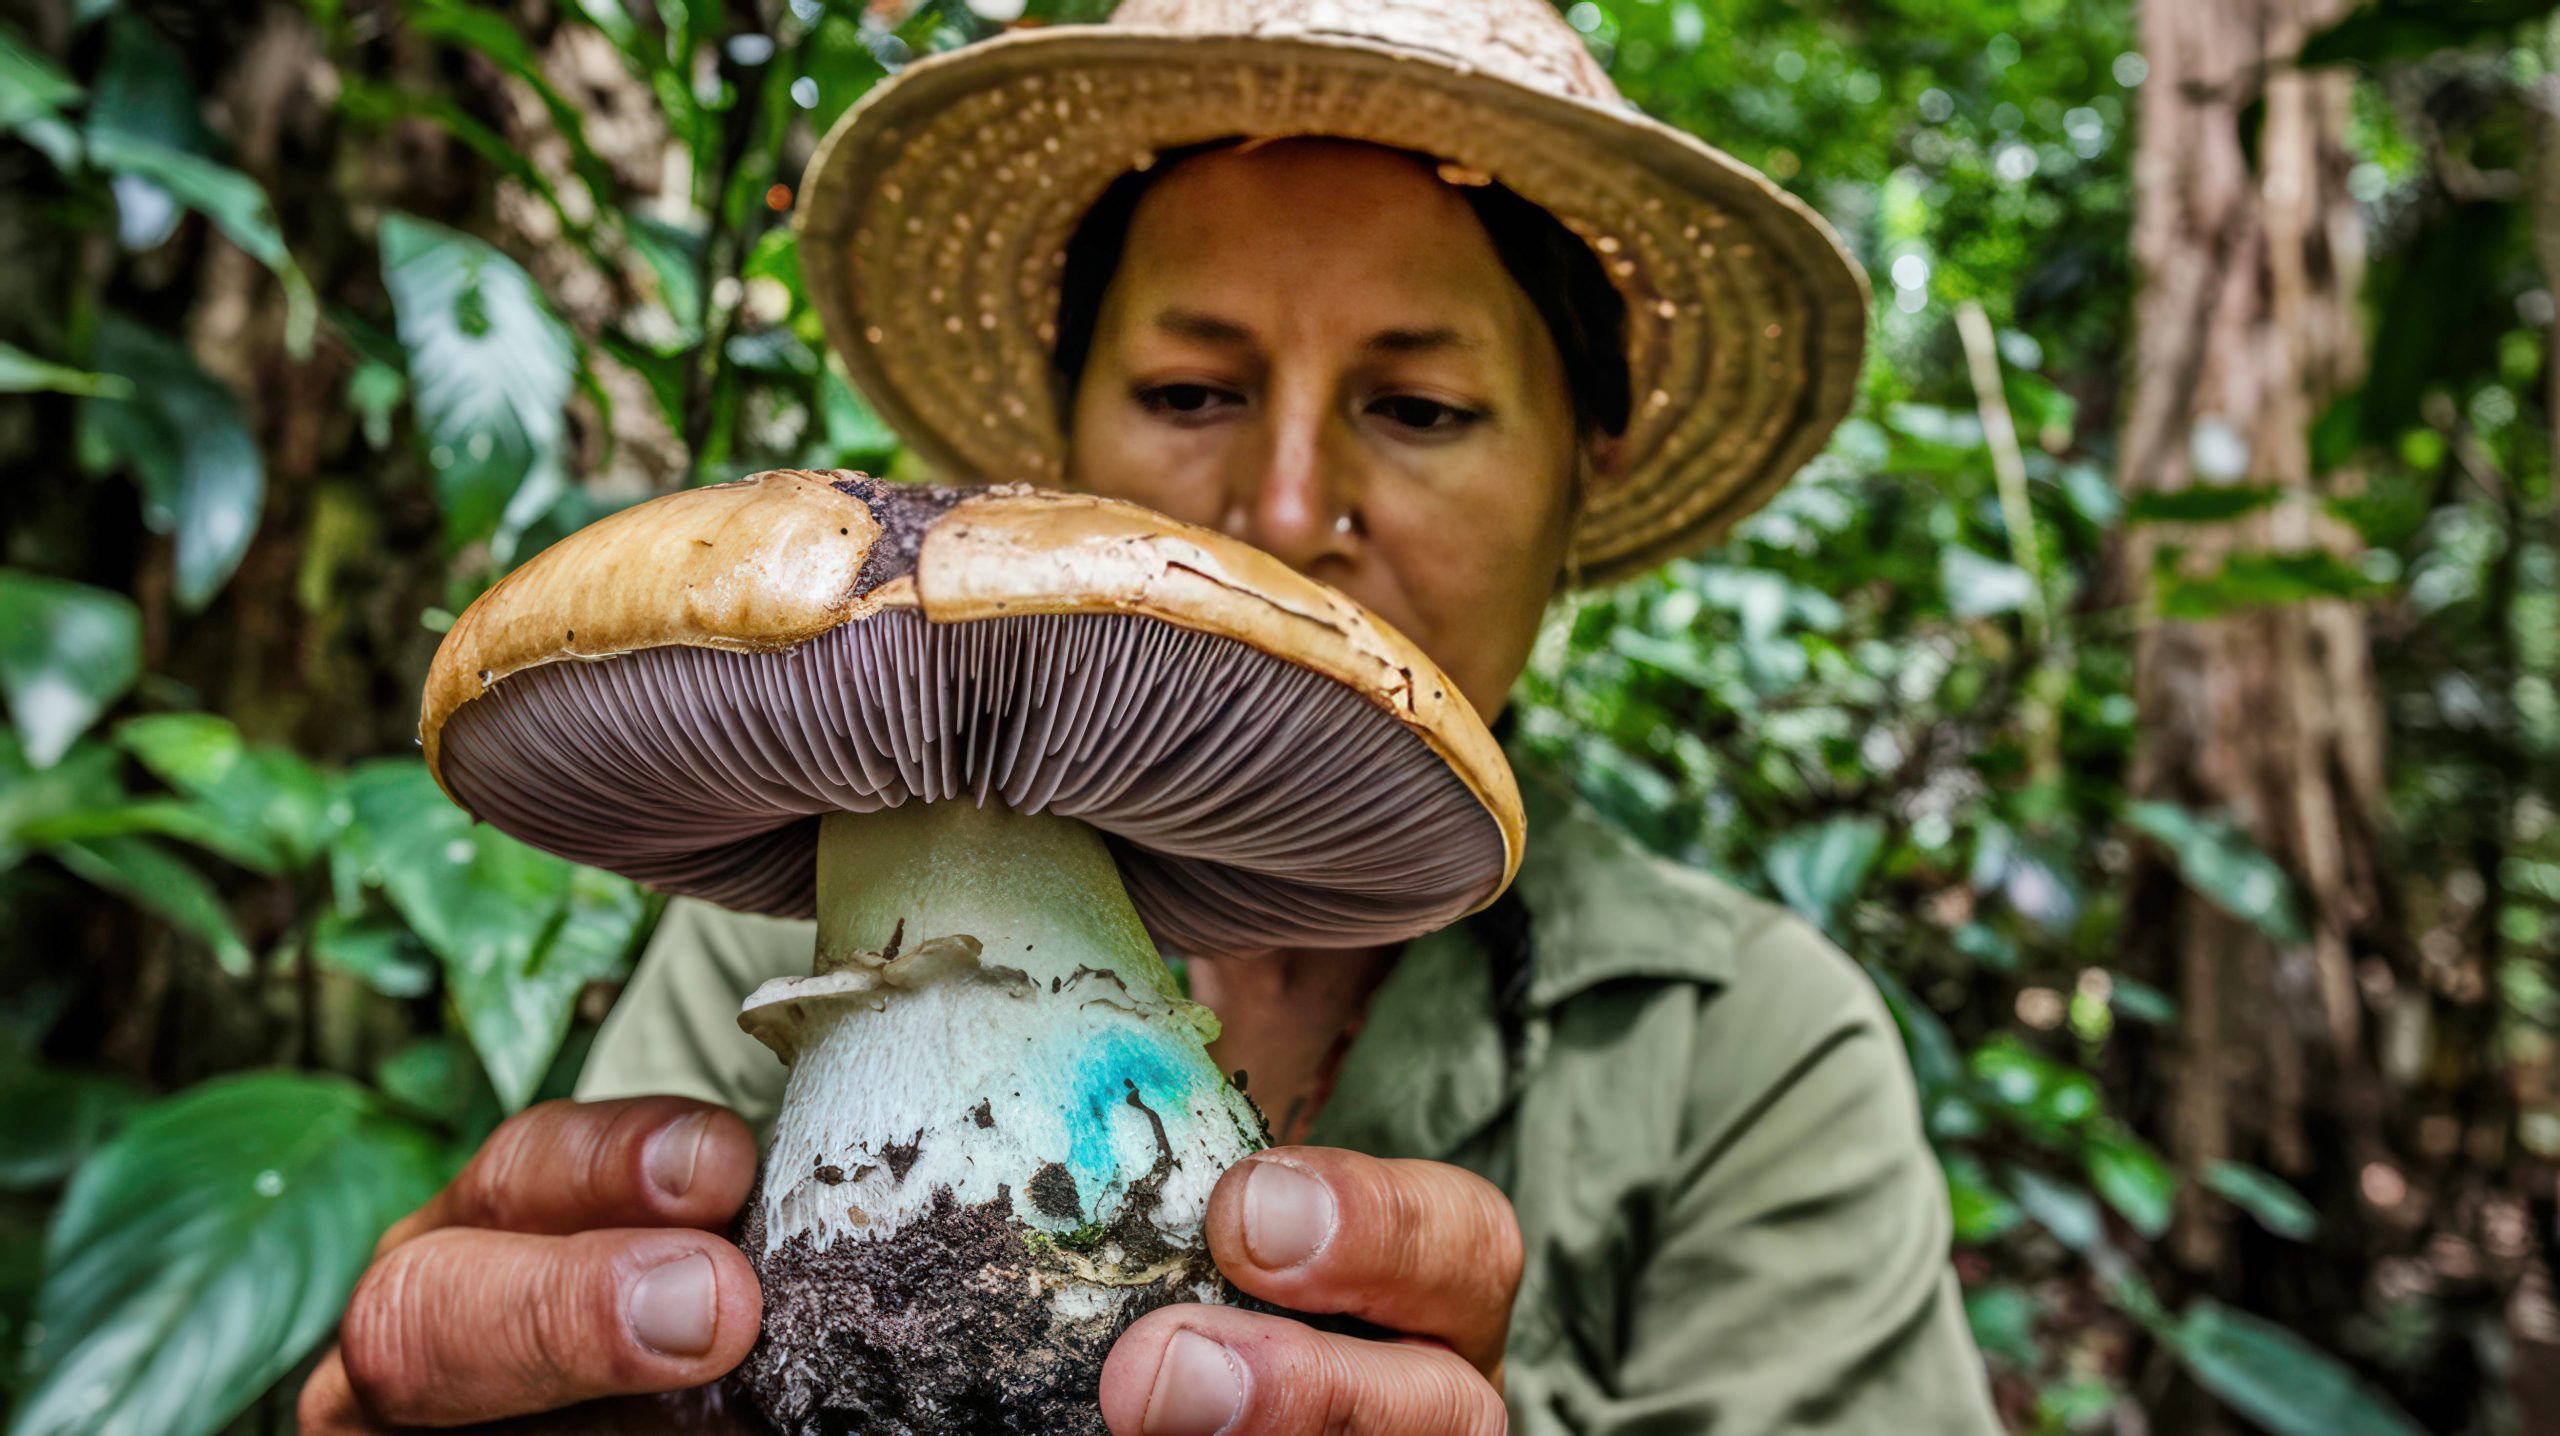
718	586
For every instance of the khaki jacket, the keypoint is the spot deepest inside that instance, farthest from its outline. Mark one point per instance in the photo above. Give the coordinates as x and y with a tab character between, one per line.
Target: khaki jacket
1702	1115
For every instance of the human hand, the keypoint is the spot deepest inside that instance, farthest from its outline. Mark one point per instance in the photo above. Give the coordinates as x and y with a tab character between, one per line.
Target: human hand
577	1258
1427	1251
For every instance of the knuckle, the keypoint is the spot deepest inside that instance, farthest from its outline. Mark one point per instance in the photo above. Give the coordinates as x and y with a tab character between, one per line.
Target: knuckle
1449	1397
385	1362
486	1191
551	1331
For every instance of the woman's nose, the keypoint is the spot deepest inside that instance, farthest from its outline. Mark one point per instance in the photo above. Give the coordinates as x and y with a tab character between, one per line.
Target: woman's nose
1292	498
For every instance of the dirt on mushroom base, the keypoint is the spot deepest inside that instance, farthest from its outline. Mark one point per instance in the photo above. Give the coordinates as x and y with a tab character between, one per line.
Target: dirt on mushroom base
950	1327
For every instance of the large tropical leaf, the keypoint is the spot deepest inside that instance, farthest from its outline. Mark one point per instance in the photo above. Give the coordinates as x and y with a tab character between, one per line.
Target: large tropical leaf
182	434
518	931
490	369
209	1246
162	883
67	653
266	799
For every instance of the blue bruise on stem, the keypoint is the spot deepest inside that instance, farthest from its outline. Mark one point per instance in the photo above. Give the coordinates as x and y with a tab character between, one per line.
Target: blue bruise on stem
1105	1071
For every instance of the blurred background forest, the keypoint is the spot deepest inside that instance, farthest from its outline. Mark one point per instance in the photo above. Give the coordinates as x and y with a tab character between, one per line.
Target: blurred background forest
2157	684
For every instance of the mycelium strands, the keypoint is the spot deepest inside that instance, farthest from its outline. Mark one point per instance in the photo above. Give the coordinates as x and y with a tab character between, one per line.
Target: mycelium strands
999	1134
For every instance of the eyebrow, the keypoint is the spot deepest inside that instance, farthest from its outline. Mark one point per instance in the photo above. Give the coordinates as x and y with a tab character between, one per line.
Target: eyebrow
1213	329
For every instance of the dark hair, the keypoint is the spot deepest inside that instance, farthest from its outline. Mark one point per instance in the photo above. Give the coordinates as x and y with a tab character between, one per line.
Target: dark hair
1583	311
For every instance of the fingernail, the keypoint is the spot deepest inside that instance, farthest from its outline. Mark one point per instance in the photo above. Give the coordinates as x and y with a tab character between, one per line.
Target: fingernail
670	1156
674	1308
1288	1215
1198	1390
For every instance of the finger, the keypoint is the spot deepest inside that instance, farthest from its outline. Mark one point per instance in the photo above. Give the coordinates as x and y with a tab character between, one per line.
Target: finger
465	1325
328	1408
328	1404
576	1166
1417	1247
1194	1370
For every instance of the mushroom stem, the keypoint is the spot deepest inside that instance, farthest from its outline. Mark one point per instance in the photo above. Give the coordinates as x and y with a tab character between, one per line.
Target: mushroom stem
999	1102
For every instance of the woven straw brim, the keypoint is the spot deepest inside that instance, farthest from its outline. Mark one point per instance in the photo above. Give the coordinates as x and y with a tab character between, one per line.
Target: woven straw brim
934	223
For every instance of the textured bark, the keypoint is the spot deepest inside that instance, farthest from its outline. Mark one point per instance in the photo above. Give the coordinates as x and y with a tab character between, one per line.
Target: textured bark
2246	328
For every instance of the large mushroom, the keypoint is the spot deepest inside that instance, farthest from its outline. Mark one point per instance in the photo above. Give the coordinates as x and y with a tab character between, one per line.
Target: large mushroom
1001	744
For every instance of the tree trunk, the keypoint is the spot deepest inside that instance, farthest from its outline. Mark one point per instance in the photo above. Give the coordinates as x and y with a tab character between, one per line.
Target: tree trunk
2246	328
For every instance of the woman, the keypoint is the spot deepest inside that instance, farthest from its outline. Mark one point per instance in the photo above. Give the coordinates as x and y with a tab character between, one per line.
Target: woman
1633	1152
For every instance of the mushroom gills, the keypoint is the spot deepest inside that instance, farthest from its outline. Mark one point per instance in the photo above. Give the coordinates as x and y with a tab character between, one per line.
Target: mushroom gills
998	1137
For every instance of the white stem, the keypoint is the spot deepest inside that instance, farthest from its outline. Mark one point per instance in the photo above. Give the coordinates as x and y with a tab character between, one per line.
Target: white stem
989	1018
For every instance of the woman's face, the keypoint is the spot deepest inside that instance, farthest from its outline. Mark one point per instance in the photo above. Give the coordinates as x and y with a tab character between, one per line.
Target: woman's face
1312	345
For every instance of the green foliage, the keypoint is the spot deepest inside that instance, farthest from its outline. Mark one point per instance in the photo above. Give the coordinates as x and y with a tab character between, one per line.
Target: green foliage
181	435
2274	1378
207	1245
2220	862
519	932
2264	1196
489	369
67	652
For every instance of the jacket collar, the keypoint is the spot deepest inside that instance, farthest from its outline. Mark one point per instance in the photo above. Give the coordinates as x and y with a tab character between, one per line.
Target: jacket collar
1601	909
1429	1069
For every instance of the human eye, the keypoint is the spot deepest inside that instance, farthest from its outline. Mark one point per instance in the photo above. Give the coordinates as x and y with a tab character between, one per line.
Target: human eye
1424	416
1183	402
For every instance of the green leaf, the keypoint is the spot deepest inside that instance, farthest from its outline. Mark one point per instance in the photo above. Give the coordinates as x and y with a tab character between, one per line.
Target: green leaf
2277	1379
2003	1319
489	368
56	1118
2134	1181
146	129
2202	503
2067	1212
519	932
154	817
32	83
1816	870
2220	861
210	1245
67	653
183	434
34	91
162	884
24	373
2260	580
268	797
439	1079
376	391
854	432
674	255
385	957
2265	1196
2049	1098
85	779
2140	1001
1978	586
1982	1211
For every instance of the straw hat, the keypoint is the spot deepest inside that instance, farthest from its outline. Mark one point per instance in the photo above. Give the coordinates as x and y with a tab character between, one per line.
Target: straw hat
934	222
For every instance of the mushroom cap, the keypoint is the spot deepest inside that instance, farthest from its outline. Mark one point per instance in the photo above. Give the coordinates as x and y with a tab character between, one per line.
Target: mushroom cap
679	691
